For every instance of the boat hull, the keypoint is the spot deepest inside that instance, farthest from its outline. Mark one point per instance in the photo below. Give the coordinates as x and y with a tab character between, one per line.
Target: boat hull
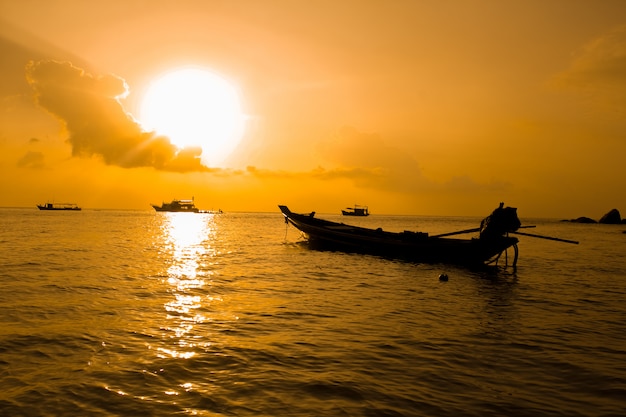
356	211
352	213
413	246
57	208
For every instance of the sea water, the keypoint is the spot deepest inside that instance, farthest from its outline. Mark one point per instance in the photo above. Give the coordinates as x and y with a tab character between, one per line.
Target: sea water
114	313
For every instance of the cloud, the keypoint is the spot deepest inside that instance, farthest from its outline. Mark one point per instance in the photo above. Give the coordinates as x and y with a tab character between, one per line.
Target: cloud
600	68
97	123
465	184
368	162
31	159
358	175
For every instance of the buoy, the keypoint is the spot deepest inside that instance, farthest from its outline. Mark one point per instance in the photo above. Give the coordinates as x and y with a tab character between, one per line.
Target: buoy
443	277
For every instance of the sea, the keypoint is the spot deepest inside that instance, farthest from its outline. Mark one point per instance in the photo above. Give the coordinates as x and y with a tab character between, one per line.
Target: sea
139	313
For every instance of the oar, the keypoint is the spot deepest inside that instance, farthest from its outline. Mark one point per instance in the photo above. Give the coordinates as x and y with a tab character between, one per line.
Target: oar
460	232
476	229
546	237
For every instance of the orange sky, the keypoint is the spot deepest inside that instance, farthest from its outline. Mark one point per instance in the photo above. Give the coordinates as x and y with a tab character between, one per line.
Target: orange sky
410	107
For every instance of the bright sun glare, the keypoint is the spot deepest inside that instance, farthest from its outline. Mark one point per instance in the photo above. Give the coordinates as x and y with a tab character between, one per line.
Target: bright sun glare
195	107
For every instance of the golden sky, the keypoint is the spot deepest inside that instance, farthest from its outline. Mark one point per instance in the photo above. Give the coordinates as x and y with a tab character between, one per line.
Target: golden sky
410	107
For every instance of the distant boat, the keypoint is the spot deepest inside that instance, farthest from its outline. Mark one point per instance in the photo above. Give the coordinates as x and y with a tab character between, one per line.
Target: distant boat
59	206
218	211
356	211
187	206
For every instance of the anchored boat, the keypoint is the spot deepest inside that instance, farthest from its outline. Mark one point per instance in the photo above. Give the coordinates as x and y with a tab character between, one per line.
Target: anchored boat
356	211
415	246
59	206
177	206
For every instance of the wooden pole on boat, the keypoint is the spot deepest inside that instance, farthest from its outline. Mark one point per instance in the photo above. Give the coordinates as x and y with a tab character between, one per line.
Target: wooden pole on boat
475	229
460	232
546	237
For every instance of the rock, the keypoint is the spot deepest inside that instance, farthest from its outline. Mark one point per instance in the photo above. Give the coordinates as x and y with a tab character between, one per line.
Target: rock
583	220
612	217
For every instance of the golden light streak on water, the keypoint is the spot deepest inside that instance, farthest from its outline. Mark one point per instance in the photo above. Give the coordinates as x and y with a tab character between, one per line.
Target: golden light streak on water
188	237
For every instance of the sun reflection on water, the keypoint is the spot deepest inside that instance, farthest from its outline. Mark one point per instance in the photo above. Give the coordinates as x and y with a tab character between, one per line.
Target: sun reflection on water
189	238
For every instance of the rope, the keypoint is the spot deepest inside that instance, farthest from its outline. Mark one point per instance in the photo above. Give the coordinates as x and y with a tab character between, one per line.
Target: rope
496	259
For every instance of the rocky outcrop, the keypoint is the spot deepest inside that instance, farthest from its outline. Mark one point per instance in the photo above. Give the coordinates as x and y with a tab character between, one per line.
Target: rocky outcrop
612	217
582	220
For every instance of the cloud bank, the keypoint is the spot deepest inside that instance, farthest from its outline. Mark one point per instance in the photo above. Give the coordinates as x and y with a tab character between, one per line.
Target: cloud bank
96	122
599	69
367	161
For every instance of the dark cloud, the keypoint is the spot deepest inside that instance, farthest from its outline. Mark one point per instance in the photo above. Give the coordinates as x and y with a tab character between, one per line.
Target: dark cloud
97	123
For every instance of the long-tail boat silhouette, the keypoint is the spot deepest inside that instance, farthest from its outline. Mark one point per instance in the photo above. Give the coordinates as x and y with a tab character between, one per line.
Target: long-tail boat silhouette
493	239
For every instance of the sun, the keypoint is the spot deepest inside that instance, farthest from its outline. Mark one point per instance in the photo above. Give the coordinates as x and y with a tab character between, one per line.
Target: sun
195	107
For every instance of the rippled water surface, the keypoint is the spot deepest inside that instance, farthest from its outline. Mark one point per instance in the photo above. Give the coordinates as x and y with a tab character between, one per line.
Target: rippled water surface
107	313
